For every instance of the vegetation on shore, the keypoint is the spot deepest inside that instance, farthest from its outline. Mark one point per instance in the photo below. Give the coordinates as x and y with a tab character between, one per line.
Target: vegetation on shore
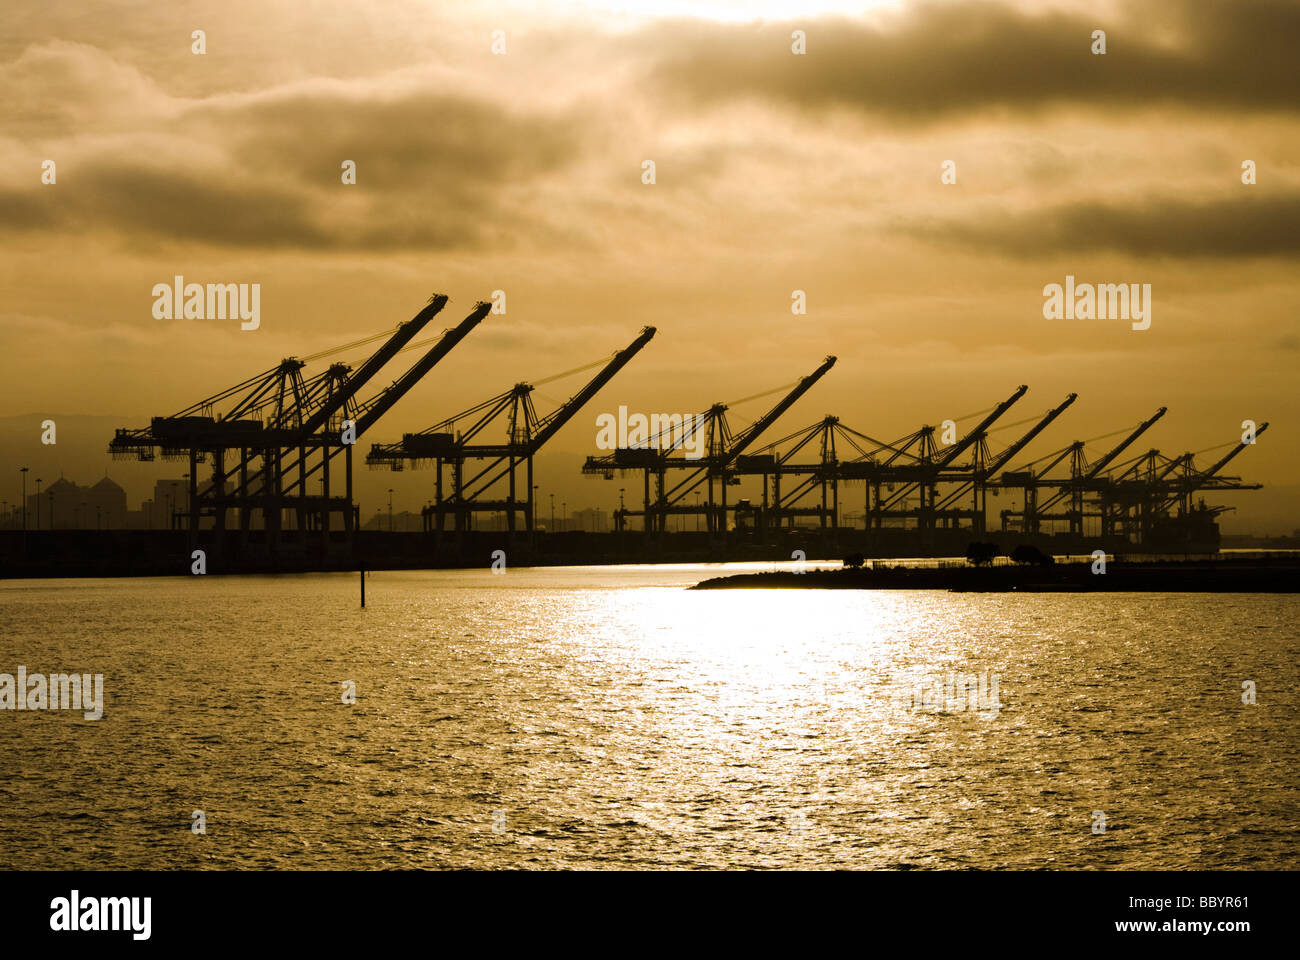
1033	572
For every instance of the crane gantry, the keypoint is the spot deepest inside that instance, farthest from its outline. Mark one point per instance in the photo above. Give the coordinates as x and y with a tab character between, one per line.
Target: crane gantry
460	439
281	429
713	470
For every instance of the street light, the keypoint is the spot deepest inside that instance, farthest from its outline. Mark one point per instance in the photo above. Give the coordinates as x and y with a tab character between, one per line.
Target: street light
38	503
552	496
390	509
564	515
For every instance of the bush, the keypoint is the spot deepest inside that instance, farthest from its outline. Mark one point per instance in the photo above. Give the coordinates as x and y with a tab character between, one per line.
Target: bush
981	554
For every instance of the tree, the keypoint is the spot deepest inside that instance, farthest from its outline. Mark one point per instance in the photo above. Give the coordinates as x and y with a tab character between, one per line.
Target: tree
981	554
1029	554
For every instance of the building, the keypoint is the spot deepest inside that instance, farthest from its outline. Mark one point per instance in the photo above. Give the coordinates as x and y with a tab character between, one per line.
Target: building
170	497
402	521
65	505
592	519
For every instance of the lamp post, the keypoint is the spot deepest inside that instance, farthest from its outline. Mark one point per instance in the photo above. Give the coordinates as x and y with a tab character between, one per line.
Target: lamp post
38	503
23	471
552	496
564	515
50	494
390	509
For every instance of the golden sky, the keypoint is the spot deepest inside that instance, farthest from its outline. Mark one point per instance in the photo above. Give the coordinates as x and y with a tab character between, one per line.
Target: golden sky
775	172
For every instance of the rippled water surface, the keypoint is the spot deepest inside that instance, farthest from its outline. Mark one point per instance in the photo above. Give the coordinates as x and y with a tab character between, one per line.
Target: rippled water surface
606	717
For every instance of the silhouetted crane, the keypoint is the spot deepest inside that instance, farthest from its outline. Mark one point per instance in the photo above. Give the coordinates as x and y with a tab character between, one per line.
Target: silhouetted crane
526	434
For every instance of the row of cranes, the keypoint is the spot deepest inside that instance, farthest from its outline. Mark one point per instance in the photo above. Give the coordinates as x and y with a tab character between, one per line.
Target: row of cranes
1141	500
929	483
269	438
278	431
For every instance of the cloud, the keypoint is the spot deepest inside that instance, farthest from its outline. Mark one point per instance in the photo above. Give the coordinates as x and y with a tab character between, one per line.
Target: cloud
403	134
436	169
59	88
1251	225
938	61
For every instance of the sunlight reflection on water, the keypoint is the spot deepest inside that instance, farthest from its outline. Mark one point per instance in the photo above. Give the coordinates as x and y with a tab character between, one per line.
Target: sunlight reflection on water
619	720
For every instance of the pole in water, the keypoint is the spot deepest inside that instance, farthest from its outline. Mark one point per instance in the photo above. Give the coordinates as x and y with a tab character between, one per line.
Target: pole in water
363	586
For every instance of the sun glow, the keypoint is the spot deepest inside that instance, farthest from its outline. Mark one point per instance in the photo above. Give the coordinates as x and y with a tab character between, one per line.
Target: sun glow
742	10
632	12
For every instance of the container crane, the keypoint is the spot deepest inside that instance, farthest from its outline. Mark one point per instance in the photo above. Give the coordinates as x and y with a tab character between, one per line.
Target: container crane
526	435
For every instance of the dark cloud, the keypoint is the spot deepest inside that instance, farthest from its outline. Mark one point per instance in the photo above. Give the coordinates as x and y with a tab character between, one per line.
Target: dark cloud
142	202
182	205
420	140
937	60
1251	225
24	211
435	169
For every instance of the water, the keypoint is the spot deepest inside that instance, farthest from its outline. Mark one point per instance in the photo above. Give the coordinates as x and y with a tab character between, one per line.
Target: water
608	718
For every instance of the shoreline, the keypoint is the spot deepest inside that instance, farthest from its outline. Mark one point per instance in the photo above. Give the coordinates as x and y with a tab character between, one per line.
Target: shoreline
1227	575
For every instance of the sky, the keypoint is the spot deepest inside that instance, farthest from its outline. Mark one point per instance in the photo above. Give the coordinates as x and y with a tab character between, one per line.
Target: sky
522	171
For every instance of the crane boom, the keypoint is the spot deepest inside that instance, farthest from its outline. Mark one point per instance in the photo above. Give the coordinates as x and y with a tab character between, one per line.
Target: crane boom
961	445
784	404
1123	445
1184	461
1231	453
982	474
378	405
1193	481
1095	470
1038	428
405	333
560	417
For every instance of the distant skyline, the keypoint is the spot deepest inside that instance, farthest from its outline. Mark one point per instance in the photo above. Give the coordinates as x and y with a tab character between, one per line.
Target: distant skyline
775	172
